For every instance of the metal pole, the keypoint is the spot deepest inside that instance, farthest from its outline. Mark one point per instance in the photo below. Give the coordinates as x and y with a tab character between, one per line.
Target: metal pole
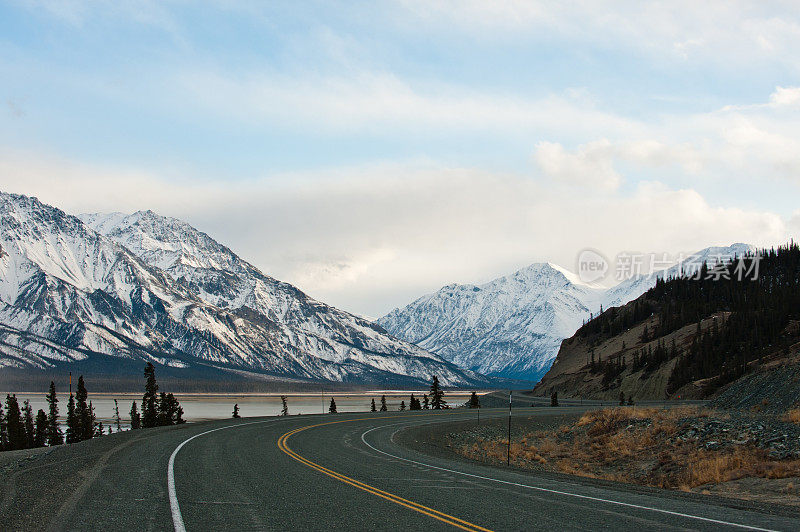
508	453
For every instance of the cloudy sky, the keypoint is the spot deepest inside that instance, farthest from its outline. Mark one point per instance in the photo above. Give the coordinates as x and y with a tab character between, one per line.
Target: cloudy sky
370	152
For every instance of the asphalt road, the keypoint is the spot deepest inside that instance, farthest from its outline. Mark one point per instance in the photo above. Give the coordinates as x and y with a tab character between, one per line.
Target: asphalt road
320	473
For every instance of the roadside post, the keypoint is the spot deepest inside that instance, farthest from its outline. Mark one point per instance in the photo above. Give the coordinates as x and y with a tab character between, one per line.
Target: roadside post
508	451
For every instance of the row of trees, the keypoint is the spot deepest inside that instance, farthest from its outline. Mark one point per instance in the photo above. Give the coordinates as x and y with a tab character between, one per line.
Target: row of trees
20	429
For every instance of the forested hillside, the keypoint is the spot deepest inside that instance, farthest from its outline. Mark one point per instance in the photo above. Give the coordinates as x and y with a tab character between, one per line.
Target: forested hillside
703	330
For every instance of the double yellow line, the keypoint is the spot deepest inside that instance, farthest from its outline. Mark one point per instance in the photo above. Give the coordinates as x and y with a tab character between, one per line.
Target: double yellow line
440	516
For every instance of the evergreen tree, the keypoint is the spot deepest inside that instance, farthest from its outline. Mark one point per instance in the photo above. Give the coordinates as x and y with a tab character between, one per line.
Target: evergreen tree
99	430
437	395
40	429
178	411
3	430
73	434
474	402
630	400
414	404
383	404
236	411
15	425
93	424
27	417
117	420
169	411
621	398
372	406
85	423
285	409
402	405
136	418
554	398
332	408
54	434
150	407
425	402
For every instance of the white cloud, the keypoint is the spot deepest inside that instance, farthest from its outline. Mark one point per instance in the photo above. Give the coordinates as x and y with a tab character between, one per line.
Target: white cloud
590	164
747	30
785	96
382	103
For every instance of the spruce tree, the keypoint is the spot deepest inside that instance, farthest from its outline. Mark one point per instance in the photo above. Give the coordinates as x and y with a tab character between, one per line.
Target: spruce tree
40	430
236	411
150	398
169	411
402	405
372	406
285	409
72	435
474	402
136	419
437	395
383	404
3	430
425	402
93	424
621	398
117	420
14	424
332	408
85	430
413	403
99	430
27	417
178	412
554	398
54	434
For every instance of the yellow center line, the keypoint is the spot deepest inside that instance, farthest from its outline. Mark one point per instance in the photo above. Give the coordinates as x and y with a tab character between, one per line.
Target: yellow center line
436	514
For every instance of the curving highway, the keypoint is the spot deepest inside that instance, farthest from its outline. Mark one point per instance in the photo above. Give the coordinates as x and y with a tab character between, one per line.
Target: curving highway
334	472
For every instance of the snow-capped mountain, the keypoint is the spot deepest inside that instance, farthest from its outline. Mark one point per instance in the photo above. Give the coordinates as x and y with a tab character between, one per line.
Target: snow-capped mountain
513	326
155	288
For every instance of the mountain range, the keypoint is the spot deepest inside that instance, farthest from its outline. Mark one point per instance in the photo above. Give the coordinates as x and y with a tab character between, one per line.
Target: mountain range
513	326
111	289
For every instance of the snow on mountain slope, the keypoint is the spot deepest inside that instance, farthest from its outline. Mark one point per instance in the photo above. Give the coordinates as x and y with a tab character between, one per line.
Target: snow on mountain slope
68	293
513	326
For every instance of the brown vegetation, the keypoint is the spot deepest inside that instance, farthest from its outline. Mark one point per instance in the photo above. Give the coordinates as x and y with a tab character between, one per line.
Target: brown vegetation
639	446
793	416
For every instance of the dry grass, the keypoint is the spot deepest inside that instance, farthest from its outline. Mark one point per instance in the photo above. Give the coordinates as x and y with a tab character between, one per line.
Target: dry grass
793	416
635	445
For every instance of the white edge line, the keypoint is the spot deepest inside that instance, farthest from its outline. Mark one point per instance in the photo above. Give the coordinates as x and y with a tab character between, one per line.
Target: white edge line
177	518
548	490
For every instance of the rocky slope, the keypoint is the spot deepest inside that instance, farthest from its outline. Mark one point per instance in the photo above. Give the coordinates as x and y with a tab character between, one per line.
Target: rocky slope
156	288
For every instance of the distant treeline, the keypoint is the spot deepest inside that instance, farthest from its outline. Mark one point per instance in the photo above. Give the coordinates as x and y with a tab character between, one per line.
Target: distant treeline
759	294
20	429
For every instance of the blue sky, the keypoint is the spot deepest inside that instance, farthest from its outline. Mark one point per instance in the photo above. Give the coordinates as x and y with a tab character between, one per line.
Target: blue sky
373	151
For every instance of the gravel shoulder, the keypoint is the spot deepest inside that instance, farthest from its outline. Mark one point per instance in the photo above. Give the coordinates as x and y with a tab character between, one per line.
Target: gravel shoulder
448	441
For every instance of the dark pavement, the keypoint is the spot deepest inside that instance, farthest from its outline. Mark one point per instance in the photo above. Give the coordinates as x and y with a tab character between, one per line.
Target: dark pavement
326	472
